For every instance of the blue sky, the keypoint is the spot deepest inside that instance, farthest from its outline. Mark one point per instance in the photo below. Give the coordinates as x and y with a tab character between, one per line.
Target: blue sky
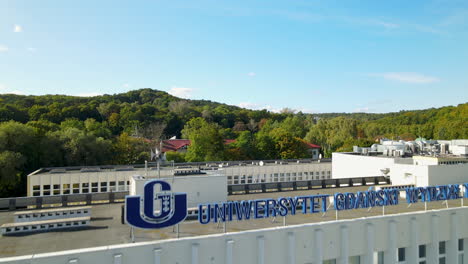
312	56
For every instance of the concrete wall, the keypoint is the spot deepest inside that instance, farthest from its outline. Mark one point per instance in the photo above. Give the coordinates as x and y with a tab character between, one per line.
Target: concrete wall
363	239
347	166
448	174
200	189
278	172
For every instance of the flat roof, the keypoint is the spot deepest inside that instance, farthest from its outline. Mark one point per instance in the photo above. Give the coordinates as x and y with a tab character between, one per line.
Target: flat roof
106	228
152	166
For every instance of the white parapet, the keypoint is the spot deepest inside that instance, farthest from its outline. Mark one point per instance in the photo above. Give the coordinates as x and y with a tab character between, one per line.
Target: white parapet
392	238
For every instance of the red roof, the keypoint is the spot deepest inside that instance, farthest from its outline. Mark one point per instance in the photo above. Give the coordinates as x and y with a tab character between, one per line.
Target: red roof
229	141
174	144
310	145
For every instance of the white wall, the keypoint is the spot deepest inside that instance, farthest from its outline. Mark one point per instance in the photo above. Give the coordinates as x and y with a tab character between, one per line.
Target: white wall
448	174
352	166
200	189
308	243
290	172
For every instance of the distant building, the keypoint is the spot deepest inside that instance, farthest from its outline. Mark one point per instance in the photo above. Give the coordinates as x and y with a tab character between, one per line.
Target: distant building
96	179
419	163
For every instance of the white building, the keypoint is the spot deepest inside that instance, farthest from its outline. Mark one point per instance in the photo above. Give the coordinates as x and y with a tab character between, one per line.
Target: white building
438	236
76	180
200	188
418	170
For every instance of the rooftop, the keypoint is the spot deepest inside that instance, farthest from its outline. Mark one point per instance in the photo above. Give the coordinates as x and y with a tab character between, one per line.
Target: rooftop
106	228
170	166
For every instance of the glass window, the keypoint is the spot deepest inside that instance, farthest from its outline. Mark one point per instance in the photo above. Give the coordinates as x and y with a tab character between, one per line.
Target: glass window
460	244
354	260
442	260
76	186
401	254
56	186
422	251
442	247
47	187
36	187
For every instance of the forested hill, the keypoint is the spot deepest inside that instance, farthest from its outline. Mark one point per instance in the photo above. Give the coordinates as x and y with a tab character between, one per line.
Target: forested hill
58	130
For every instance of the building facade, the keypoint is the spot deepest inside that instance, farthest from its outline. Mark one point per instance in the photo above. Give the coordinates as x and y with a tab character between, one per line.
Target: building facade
431	237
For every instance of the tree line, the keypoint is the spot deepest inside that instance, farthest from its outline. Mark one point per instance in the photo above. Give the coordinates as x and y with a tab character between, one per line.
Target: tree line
57	130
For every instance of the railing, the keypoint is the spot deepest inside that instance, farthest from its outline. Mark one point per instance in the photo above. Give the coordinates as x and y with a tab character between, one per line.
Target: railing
61	200
298	185
113	197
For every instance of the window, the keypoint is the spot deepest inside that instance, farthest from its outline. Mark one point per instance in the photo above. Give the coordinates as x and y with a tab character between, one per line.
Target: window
422	251
76	188
46	190
36	190
354	260
401	255
442	252
441	247
56	189
94	187
112	186
331	261
460	251
103	186
66	189
85	187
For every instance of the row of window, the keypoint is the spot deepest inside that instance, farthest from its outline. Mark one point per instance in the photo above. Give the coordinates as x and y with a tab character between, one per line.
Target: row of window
452	162
43	227
279	177
85	187
401	255
422	253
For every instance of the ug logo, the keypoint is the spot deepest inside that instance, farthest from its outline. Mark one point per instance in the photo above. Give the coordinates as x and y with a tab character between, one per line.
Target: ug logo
155	210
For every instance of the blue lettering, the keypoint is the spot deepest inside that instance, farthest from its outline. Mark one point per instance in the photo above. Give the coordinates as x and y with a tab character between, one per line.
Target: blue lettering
204	218
270	209
350	201
283	206
259	207
293	203
412	195
361	200
243	209
339	203
324	203
380	198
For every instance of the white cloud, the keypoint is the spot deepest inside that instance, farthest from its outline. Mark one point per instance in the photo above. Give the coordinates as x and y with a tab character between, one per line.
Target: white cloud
16	92
32	49
3	48
251	74
4	90
181	92
248	105
362	110
407	77
17	29
387	25
126	85
254	106
88	94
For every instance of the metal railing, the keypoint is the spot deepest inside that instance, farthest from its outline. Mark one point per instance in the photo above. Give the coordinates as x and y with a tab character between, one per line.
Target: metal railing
38	202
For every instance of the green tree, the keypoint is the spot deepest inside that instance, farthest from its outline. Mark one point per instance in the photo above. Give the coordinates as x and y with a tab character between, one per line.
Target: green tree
207	143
